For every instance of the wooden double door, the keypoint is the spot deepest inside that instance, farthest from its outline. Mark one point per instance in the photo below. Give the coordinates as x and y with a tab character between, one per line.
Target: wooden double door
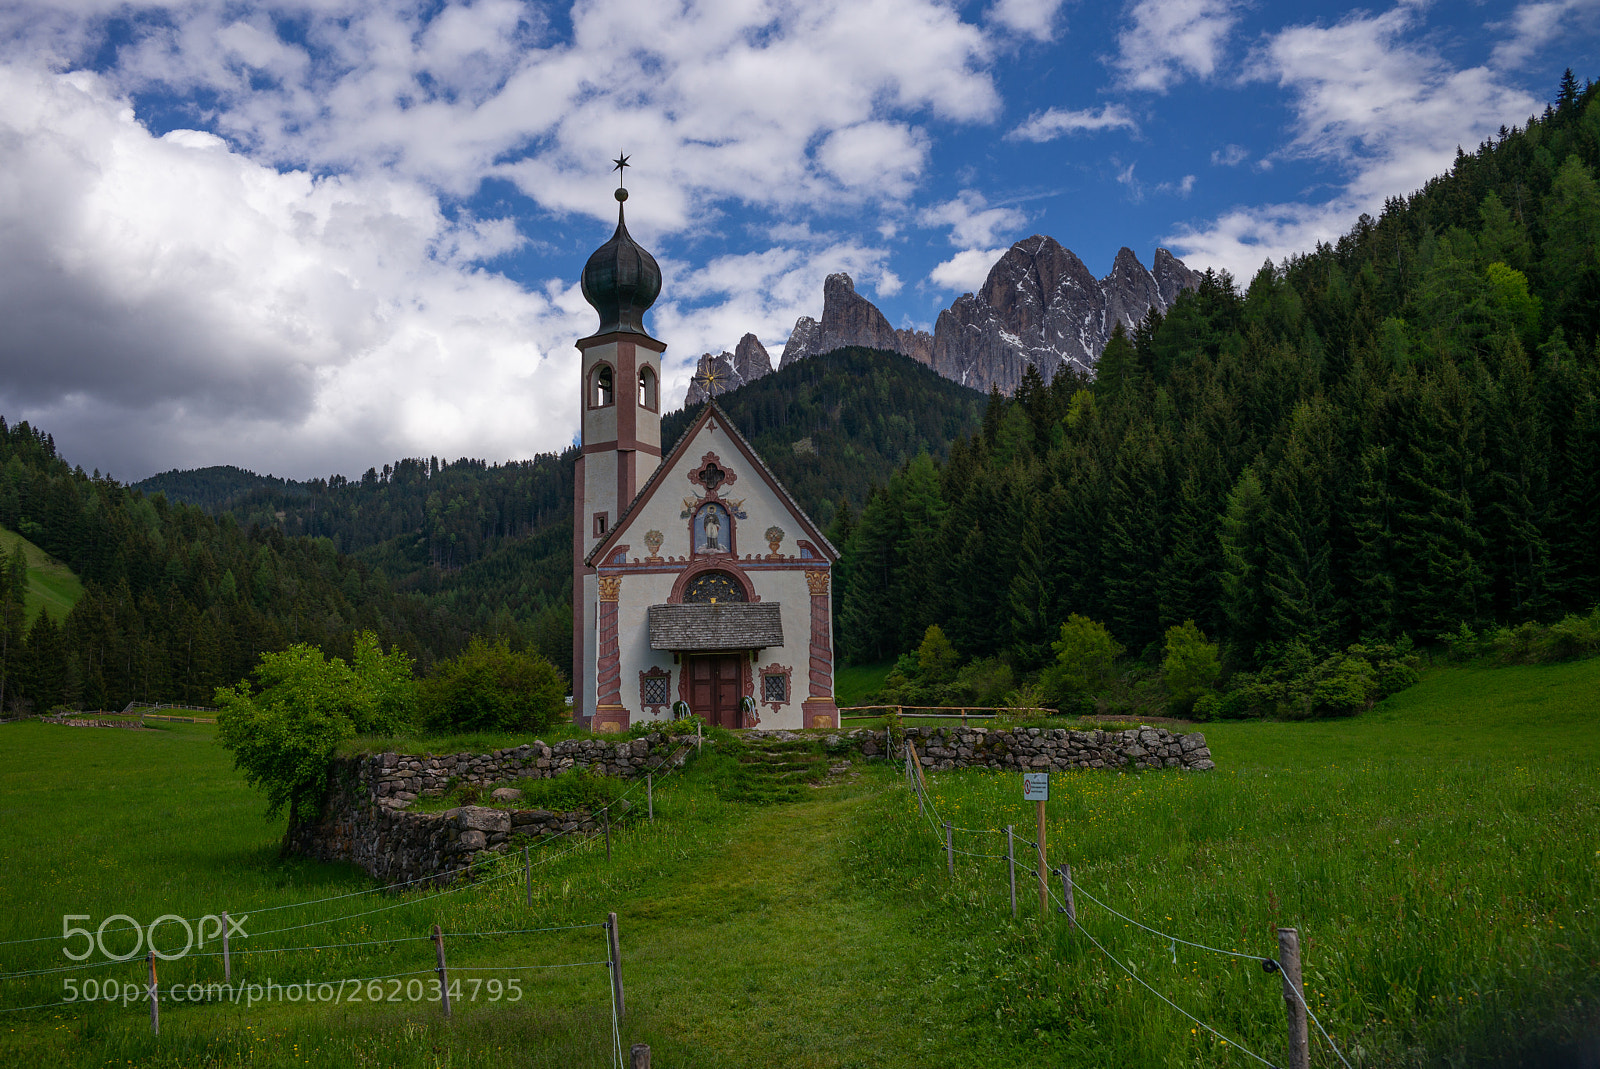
715	686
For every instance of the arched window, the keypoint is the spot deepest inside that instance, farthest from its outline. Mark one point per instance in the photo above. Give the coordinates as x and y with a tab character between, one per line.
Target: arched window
647	388
604	386
713	587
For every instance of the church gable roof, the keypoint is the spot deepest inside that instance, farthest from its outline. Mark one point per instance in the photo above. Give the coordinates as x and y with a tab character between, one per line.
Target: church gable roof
669	463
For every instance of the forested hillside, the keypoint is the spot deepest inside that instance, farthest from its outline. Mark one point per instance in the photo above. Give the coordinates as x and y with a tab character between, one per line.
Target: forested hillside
176	602
1398	433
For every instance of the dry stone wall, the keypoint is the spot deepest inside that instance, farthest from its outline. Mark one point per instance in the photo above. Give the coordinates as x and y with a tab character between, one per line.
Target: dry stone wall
1043	749
365	819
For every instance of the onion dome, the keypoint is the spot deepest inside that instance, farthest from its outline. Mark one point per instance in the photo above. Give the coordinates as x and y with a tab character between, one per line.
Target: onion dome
621	280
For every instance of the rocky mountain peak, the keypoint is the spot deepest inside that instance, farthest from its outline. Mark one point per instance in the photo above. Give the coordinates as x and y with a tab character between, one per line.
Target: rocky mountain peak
1039	305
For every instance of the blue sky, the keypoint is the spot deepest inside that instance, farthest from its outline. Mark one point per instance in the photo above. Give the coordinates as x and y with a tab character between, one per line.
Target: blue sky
309	237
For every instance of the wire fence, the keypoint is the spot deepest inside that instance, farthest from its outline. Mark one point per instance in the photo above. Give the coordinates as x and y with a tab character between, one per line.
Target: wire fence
465	879
916	780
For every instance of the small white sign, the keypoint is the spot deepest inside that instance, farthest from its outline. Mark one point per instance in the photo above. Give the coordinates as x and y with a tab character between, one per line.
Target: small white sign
1036	786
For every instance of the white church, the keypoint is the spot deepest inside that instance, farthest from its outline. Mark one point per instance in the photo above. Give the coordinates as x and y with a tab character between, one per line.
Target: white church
698	583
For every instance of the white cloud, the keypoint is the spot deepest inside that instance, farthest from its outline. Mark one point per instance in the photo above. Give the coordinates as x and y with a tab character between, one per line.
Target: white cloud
966	271
1032	18
973	224
1385	110
1055	122
885	158
1533	26
1183	187
716	98
255	317
267	317
1168	40
1230	156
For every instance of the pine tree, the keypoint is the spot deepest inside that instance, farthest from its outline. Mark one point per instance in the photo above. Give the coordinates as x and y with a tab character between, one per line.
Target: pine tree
1296	562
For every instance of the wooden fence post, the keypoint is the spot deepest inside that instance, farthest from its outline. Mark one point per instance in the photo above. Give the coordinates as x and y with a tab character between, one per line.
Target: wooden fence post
1294	998
1044	889
444	976
949	850
227	962
1071	907
1011	868
614	947
155	997
639	1056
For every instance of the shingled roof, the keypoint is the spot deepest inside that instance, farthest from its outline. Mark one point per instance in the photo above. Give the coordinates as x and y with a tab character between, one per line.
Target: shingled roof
733	625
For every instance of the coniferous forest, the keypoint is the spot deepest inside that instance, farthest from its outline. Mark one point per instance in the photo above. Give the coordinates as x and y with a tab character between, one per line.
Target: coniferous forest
1394	435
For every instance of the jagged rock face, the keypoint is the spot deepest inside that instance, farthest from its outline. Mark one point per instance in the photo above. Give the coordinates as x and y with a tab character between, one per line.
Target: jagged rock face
850	319
750	359
804	340
1172	277
1040	305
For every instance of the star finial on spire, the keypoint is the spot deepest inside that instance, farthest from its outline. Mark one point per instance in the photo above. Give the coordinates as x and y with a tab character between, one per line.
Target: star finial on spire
621	162
709	379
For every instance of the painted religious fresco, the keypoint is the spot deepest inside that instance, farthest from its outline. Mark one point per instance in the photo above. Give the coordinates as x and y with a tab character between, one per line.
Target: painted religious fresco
713	529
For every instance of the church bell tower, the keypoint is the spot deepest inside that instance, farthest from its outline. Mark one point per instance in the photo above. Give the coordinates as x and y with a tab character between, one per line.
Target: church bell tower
620	410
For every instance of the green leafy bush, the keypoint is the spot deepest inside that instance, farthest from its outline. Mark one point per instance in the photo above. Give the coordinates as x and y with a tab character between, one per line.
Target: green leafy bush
1191	666
490	687
1086	655
283	733
1296	684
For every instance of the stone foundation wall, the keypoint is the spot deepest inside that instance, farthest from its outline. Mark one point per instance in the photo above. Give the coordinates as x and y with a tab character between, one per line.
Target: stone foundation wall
365	819
1041	749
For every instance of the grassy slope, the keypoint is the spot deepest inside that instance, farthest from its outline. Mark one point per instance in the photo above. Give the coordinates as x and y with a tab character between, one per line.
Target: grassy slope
52	587
825	933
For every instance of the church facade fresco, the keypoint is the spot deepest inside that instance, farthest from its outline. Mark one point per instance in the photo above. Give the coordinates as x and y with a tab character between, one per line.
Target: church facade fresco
699	585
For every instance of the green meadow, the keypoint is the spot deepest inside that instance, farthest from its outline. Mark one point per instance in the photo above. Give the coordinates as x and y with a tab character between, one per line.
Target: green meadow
52	586
1440	857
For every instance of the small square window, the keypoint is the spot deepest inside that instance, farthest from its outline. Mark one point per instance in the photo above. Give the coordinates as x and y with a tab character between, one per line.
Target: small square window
775	688
600	524
654	690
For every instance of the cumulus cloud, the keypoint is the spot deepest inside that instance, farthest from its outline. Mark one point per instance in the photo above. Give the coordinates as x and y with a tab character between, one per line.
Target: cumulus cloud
1166	41
715	100
1052	123
1031	18
973	224
1384	109
966	270
168	300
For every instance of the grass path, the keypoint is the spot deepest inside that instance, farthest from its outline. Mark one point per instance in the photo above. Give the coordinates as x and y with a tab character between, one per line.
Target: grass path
788	962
